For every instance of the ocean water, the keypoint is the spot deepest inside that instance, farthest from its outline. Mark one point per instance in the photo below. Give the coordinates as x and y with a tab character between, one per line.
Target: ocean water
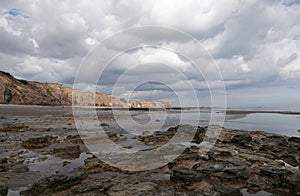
284	124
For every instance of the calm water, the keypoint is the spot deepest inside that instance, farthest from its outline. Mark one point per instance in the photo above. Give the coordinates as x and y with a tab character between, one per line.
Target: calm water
285	124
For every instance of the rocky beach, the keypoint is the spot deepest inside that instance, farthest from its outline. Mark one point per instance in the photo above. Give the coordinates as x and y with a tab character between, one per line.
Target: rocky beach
154	98
42	154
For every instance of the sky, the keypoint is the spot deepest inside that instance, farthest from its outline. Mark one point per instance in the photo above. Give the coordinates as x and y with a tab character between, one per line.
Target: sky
255	45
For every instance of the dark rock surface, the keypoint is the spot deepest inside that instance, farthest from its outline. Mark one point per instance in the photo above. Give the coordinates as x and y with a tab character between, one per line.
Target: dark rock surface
55	183
67	151
3	189
37	142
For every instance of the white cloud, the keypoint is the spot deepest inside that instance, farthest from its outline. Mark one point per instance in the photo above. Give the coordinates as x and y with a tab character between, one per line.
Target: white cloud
163	56
255	43
291	70
8	27
190	15
43	69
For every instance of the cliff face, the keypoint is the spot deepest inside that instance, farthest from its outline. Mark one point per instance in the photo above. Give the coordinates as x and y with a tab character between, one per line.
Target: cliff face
22	92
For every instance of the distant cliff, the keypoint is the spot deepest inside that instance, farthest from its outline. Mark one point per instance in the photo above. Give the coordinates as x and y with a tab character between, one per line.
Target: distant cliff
23	92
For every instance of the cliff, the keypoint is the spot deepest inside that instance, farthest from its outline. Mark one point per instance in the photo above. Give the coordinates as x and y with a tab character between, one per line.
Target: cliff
22	92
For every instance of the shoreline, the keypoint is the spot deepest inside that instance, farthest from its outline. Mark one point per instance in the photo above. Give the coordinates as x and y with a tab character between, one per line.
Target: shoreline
234	164
235	119
201	109
41	145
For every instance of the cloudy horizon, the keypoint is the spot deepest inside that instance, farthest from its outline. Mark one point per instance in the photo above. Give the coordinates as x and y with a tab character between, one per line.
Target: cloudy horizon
255	44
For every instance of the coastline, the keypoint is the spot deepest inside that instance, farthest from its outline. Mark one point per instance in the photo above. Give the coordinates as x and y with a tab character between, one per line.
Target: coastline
43	142
201	109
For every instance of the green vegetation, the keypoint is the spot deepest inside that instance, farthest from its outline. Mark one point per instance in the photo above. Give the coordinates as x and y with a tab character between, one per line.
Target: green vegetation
23	81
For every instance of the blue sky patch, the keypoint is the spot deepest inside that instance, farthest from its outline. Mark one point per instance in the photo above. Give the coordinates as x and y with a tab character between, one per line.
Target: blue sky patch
296	37
290	2
17	12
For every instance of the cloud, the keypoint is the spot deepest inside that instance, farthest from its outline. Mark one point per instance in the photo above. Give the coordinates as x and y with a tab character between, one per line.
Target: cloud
43	69
292	69
255	43
191	15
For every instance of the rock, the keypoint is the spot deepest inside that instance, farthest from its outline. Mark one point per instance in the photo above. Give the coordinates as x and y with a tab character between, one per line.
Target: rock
8	95
54	183
276	140
200	133
225	169
277	177
73	139
257	182
160	138
90	187
138	188
269	172
37	142
2	168
234	171
294	184
189	154
290	159
14	154
20	169
104	125
3	189
220	156
227	191
128	146
201	130
70	151
243	140
146	133
94	165
185	175
3	160
65	163
282	140
115	138
204	187
122	138
294	139
10	127
3	138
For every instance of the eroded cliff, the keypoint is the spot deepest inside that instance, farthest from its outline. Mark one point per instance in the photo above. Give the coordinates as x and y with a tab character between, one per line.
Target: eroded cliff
22	92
